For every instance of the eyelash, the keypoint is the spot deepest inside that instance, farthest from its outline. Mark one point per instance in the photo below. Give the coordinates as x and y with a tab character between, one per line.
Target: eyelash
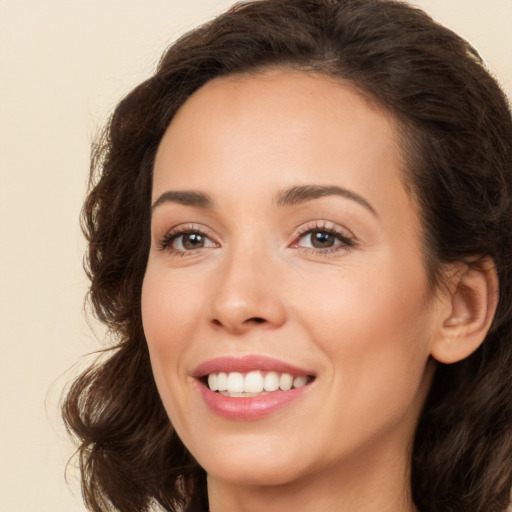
165	243
346	241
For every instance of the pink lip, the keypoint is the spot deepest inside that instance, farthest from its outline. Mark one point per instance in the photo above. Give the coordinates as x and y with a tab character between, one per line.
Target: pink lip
247	408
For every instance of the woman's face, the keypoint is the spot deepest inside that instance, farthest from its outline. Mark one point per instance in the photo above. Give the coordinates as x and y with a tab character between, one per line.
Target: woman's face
286	252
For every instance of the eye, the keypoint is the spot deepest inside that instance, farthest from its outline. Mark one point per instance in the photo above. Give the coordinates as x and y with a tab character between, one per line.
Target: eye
189	241
183	241
320	239
323	239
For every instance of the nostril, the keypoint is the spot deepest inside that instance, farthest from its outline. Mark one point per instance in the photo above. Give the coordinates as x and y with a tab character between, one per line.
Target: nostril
256	320
253	320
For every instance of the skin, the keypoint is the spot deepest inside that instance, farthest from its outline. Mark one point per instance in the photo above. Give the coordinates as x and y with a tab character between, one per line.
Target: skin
360	316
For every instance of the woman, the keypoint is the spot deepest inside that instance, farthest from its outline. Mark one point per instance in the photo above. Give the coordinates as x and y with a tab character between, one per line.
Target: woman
299	234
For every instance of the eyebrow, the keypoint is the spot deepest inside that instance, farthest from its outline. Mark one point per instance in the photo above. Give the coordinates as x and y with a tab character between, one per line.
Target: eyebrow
185	197
287	197
303	193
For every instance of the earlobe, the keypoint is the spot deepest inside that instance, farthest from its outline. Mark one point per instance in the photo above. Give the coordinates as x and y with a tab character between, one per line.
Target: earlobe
469	307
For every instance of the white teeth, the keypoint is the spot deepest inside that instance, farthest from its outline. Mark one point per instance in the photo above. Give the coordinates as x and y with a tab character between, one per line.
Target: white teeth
222	382
298	382
285	381
235	382
212	382
253	383
271	381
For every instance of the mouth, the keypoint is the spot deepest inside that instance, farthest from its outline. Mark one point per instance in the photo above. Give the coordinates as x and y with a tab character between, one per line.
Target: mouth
250	387
253	383
251	376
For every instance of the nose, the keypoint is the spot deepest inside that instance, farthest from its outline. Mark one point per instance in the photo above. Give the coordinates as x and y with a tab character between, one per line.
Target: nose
247	294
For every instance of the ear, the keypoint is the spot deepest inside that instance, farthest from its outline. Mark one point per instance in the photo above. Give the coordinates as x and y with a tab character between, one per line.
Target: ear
468	306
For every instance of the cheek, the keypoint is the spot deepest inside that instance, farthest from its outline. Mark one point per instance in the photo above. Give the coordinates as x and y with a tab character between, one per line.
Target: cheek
369	299
375	326
168	317
169	310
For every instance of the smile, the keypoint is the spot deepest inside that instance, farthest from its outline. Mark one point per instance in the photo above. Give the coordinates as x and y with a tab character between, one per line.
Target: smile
250	387
254	383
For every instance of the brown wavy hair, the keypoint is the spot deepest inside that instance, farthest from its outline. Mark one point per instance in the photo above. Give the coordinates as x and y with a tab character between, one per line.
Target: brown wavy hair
456	132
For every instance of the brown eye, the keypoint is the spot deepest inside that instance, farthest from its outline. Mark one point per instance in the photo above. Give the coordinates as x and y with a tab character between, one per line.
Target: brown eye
322	239
190	241
184	242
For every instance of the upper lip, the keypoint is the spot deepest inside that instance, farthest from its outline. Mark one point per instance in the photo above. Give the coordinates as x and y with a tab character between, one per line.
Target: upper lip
247	364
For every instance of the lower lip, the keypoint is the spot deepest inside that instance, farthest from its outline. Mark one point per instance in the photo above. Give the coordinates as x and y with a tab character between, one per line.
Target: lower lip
249	408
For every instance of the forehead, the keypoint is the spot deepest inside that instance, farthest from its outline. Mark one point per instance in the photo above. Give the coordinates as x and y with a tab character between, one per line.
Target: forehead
280	128
281	103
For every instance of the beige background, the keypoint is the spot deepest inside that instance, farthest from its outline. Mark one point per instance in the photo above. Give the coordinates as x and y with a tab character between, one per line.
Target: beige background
63	66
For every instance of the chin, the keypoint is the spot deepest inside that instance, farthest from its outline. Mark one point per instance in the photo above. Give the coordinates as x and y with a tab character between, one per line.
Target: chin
254	466
257	475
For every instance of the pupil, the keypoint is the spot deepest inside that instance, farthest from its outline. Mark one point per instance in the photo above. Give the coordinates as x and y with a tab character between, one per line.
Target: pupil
193	241
321	239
